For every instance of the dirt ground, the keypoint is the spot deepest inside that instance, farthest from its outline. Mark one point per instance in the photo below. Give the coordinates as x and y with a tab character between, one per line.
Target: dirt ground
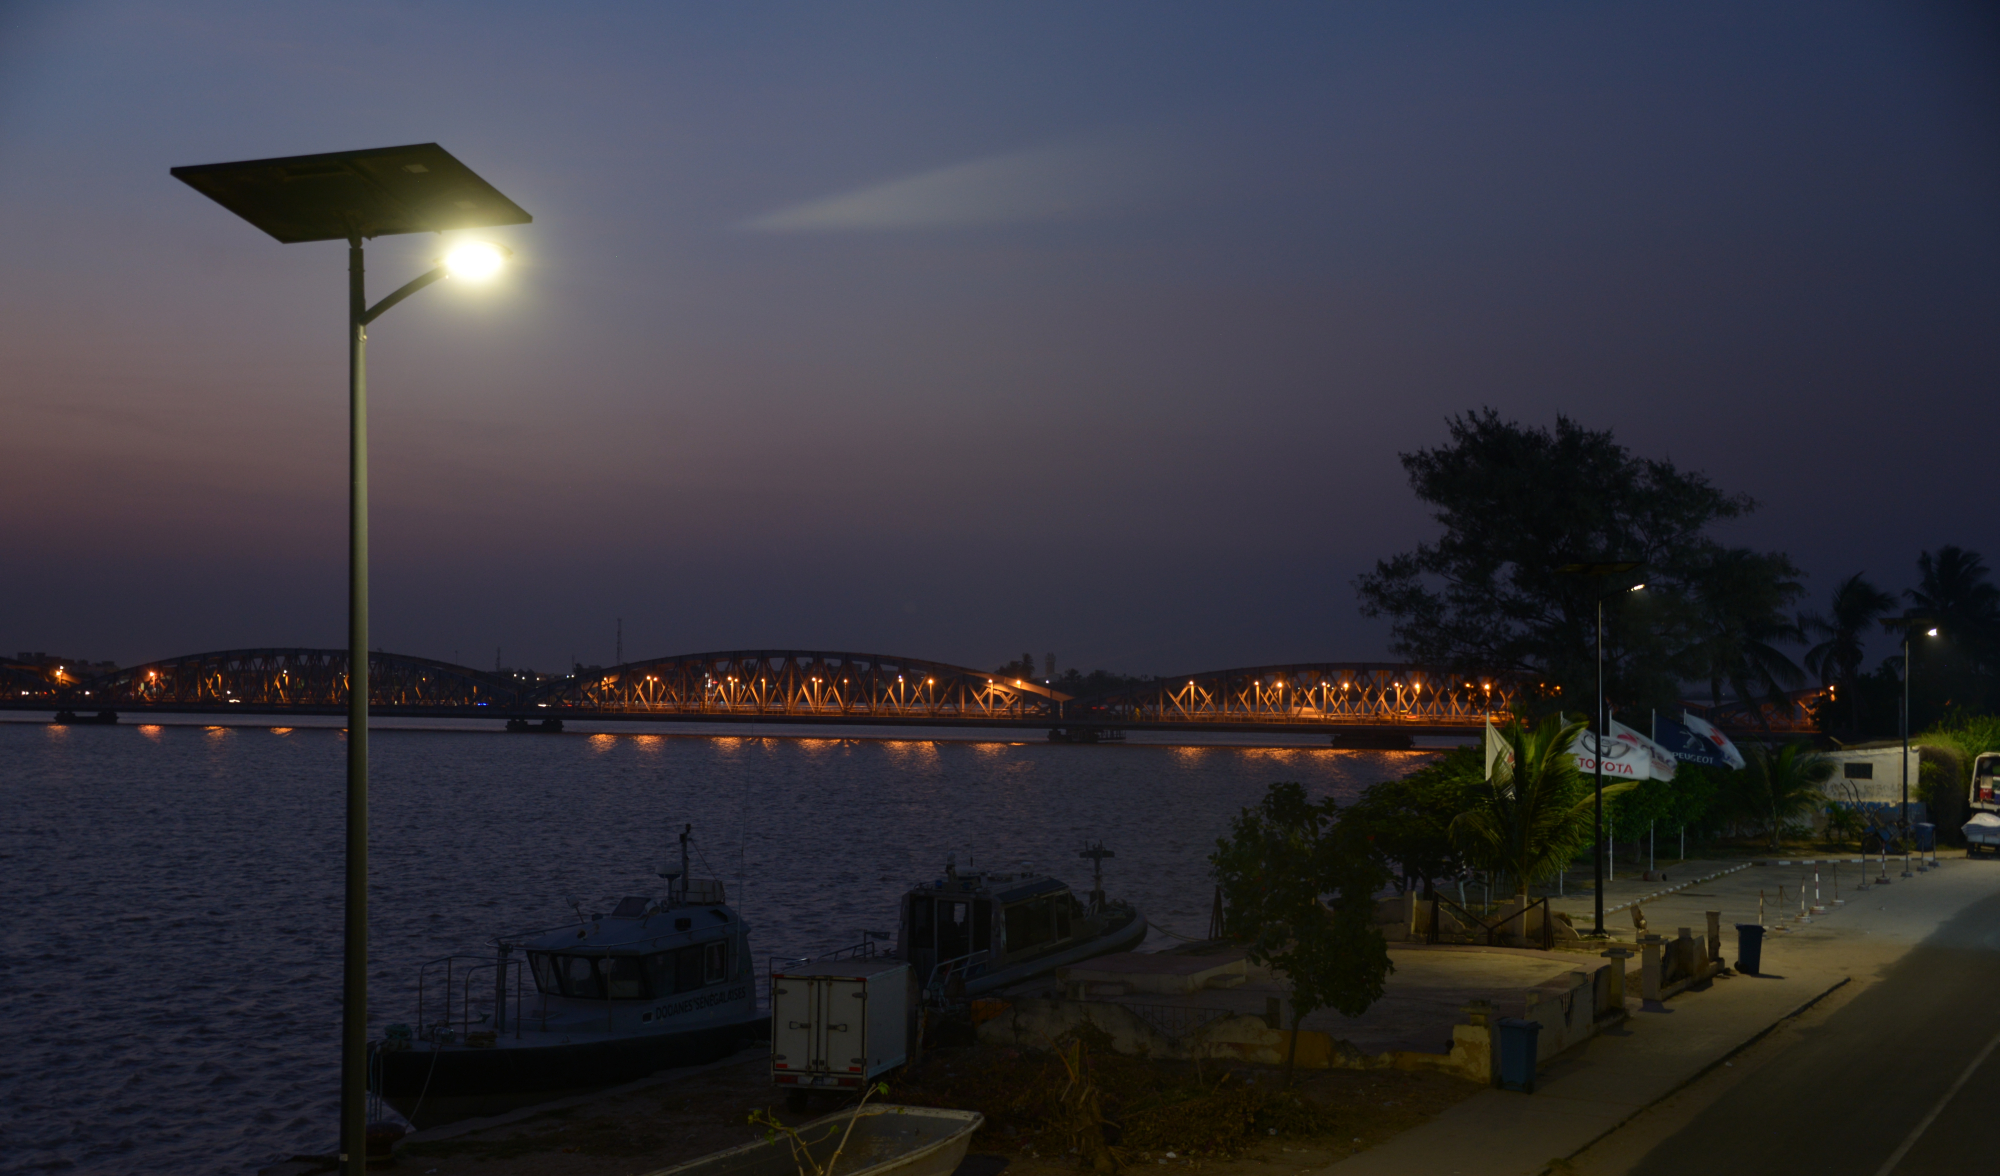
1232	1120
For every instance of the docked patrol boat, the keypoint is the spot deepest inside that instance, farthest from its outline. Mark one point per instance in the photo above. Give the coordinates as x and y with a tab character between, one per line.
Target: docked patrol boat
611	998
971	932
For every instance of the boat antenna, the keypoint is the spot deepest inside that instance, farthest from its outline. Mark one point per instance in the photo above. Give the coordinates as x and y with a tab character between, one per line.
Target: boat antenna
1096	853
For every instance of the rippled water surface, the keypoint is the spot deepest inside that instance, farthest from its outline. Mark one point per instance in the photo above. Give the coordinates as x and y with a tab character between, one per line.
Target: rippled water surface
170	919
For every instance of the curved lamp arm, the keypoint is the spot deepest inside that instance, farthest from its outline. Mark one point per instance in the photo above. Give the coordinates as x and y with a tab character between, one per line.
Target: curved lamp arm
410	287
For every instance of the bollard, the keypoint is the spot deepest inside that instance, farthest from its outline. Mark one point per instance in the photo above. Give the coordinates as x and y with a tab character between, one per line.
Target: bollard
1837	900
1714	937
1802	916
1882	840
1614	997
1749	948
1819	908
1649	975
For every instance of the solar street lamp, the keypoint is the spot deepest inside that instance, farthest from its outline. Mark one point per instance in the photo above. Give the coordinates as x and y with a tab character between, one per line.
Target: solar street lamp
355	196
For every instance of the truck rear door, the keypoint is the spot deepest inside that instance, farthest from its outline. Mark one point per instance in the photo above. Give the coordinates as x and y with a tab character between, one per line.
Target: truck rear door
844	1013
792	1029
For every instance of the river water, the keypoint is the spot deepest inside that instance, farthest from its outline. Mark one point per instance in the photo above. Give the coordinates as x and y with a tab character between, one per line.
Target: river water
171	915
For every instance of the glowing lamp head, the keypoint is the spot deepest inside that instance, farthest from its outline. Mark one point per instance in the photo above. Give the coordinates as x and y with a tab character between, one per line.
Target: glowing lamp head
1930	633
1638	587
475	261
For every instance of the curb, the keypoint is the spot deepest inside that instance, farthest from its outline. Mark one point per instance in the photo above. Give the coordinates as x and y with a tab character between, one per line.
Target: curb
1683	886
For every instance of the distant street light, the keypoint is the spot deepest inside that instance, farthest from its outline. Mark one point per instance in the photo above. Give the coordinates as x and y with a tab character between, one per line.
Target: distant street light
1598	571
1907	623
356	196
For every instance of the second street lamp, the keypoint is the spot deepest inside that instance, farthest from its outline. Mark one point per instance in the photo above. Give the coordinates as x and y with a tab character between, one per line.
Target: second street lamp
355	196
1598	571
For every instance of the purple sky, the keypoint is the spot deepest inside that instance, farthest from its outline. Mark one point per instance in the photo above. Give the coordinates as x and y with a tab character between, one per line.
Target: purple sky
962	330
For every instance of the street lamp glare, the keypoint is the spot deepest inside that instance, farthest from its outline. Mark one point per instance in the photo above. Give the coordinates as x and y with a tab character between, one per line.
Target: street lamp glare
475	261
1638	587
1930	632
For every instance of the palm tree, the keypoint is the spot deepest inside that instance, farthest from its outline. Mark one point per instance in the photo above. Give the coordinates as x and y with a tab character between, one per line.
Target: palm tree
1742	598
1780	786
1954	595
1854	609
1530	819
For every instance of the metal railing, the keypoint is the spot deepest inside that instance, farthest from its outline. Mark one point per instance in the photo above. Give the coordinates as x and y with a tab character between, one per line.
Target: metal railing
1493	928
428	1030
776	965
959	967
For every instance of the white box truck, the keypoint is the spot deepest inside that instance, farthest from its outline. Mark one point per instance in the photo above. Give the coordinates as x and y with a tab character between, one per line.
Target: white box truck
839	1023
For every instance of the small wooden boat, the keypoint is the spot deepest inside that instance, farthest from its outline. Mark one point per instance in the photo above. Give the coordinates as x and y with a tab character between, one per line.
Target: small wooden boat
887	1140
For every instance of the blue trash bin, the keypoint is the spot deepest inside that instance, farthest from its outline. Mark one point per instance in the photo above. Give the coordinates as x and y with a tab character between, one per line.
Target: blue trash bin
1517	1054
1749	947
1926	834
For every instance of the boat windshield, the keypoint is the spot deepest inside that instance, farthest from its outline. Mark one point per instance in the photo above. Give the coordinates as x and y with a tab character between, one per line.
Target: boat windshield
649	977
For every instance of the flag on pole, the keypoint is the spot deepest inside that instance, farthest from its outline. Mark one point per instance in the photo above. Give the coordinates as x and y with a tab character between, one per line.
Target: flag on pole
1723	746
1497	749
1662	763
1686	746
1625	761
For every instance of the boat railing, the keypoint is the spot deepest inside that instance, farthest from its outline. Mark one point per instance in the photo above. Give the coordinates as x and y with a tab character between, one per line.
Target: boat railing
961	967
778	965
459	970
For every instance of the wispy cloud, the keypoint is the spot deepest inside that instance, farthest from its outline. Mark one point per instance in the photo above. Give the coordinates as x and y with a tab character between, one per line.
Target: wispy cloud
1058	182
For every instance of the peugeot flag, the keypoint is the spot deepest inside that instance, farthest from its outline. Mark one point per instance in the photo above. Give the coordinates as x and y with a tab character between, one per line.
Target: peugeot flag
1715	738
1695	742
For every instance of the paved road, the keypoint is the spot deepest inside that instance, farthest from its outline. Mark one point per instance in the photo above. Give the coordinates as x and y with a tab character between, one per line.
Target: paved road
1854	1090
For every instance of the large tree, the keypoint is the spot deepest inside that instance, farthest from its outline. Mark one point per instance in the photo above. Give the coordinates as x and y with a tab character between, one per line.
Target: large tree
1516	502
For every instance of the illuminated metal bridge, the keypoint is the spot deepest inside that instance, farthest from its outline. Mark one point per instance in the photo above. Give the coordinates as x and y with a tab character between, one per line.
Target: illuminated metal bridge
808	685
1316	694
1360	699
293	679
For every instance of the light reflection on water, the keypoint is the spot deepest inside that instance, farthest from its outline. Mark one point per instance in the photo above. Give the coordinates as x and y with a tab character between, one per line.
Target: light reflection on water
170	930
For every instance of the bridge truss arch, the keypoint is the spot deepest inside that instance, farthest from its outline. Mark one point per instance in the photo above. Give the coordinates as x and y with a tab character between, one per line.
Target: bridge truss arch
295	678
805	684
1310	694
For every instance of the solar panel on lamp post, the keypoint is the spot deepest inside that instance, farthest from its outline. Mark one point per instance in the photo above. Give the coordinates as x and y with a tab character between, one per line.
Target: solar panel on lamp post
1599	571
355	196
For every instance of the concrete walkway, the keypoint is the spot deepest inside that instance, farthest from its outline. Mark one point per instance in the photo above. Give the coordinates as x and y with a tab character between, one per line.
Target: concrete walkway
1593	1089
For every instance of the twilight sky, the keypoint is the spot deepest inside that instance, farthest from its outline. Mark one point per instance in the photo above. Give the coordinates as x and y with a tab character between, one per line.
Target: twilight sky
958	330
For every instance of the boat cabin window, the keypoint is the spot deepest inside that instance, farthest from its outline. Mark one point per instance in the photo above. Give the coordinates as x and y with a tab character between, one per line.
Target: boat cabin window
982	926
954	929
688	968
589	978
920	922
1030	923
630	907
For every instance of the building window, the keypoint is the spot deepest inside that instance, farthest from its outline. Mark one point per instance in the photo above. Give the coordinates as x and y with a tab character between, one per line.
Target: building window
1854	771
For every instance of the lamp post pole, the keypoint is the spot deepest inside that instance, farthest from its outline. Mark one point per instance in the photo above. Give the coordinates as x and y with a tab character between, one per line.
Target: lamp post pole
1597	853
355	196
354	972
1903	819
1597	572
